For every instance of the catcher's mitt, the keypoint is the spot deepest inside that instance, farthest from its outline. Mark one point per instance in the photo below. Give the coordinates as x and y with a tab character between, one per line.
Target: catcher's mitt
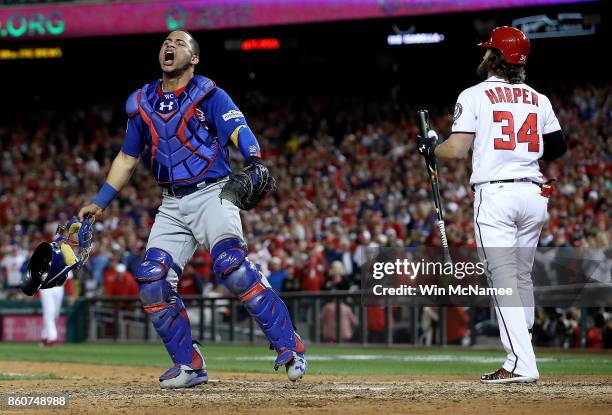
247	188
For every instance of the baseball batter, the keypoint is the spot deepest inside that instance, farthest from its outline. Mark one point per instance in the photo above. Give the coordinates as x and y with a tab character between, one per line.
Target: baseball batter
182	125
510	127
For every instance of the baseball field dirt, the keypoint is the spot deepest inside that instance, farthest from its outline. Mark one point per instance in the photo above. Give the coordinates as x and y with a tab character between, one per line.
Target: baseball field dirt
134	390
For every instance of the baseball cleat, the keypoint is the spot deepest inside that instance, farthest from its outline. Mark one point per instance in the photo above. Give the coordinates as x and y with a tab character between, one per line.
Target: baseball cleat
501	375
296	367
293	360
186	376
202	377
182	376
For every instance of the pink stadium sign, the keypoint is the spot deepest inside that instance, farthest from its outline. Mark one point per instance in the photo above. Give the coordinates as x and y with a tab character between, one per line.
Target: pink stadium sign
28	328
103	19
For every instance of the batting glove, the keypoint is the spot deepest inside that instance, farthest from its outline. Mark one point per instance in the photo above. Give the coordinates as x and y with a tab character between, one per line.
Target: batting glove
427	145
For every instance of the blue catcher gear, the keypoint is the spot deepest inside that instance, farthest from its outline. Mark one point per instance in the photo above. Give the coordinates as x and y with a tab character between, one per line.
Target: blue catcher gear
169	317
242	279
182	148
50	263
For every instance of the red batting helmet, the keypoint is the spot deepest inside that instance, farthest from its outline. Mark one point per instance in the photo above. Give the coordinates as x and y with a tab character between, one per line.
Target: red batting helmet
511	42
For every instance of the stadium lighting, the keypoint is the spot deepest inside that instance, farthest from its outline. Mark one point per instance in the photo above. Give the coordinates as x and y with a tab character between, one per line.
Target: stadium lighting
31	53
414	38
260	44
565	25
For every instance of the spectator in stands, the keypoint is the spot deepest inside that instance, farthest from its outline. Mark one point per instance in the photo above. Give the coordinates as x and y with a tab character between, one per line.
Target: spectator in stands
335	279
98	262
312	268
457	325
277	275
291	283
348	322
594	338
190	282
118	282
202	265
595	333
346	257
377	325
12	267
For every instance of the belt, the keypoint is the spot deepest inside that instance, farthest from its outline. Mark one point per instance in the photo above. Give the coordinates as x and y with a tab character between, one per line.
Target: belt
182	191
511	181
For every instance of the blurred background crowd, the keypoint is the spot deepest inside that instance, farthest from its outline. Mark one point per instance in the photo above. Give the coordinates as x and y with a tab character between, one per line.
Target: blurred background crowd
349	178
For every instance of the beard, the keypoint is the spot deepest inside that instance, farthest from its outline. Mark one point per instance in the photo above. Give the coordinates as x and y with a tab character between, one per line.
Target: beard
173	73
483	70
176	72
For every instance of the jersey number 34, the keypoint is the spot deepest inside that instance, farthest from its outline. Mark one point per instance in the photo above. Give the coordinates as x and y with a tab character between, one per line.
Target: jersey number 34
528	133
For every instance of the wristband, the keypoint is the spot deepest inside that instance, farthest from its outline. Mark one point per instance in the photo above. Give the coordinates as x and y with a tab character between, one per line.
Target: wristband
105	196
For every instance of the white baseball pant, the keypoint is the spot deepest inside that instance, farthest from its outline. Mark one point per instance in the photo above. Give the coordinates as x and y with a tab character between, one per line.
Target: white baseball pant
508	218
51	299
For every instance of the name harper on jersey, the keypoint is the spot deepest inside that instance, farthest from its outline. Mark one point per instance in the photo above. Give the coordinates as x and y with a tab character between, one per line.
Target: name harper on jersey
512	95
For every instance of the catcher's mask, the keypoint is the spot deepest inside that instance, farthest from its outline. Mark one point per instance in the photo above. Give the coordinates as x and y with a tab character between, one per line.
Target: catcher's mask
49	266
52	261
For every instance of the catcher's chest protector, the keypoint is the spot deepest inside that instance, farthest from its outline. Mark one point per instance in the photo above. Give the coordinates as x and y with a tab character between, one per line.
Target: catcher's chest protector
182	146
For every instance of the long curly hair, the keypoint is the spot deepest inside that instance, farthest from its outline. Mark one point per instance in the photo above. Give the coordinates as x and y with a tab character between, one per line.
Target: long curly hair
515	74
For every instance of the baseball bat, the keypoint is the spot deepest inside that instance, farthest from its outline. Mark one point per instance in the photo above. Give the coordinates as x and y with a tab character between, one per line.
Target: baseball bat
432	171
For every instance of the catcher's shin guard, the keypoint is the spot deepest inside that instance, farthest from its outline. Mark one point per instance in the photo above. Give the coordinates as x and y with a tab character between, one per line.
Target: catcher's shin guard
165	308
244	280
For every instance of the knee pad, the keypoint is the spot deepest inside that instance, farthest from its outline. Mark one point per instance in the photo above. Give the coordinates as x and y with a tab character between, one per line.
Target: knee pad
151	277
232	266
164	306
227	256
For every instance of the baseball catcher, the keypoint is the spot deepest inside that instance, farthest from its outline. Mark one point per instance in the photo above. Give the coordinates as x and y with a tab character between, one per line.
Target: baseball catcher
182	126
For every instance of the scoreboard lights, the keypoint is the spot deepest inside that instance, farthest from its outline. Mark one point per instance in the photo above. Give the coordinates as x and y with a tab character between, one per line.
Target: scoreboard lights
270	43
246	45
30	53
414	38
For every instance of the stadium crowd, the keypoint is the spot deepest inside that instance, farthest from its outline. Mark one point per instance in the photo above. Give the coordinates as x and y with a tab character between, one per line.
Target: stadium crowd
349	177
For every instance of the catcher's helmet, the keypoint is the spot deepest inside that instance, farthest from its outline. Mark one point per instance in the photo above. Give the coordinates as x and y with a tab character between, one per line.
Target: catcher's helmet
511	42
48	267
52	261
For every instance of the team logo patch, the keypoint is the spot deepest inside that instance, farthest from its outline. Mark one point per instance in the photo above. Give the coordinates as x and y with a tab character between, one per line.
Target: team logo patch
201	118
232	114
166	106
200	115
458	111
